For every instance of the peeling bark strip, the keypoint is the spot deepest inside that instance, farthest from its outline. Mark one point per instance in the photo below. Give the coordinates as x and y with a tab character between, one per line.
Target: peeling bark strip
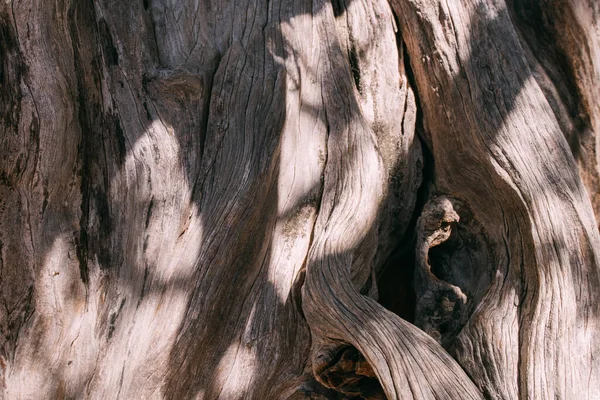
205	199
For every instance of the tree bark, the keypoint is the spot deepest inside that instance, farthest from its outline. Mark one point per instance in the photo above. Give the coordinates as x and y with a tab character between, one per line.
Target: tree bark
299	199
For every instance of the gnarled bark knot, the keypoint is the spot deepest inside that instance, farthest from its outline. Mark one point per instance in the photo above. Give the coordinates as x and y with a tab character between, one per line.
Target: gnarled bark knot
439	303
346	370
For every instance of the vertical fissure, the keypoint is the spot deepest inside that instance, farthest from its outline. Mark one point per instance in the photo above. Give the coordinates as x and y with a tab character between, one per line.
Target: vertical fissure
354	66
84	172
75	16
396	279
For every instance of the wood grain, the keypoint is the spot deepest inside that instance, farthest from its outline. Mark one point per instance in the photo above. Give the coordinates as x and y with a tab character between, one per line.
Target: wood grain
199	199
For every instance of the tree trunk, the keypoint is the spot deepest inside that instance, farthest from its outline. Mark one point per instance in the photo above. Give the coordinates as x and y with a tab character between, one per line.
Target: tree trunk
288	199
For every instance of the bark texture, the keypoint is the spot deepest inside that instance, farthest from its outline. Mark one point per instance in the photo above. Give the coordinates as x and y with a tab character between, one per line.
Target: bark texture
309	199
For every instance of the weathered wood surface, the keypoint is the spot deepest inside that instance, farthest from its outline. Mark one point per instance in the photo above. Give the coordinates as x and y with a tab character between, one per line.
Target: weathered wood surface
198	199
498	146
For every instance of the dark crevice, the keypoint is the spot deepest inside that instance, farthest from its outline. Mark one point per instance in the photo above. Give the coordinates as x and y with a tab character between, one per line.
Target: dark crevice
348	372
147	223
45	201
460	262
113	319
149	212
366	288
92	125
34	136
114	125
297	291
12	71
440	257
421	133
152	39
148	114
121	380
82	152
396	281
102	246
144	283
208	81
354	67
144	289
339	7
84	159
111	55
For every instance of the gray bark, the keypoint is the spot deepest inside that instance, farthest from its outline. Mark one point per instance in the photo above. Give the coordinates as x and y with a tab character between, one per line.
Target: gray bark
288	199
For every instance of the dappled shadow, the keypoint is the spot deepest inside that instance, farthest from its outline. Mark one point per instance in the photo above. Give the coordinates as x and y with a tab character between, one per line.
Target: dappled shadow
504	153
201	181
